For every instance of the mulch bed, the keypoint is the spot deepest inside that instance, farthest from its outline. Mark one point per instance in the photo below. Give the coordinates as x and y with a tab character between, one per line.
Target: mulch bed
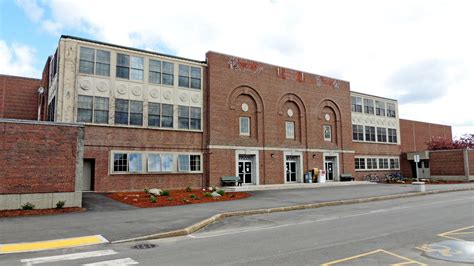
433	182
176	197
14	213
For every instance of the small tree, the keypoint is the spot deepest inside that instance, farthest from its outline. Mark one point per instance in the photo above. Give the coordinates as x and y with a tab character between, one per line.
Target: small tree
443	143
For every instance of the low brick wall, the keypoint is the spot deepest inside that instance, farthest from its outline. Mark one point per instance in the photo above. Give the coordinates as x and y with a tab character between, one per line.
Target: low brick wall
41	163
452	164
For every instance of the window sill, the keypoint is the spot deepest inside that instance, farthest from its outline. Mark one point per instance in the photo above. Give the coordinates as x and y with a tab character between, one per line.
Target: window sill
154	173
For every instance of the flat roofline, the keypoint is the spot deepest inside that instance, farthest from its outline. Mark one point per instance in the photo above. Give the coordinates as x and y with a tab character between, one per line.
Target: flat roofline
131	48
210	51
417	121
21	77
371	95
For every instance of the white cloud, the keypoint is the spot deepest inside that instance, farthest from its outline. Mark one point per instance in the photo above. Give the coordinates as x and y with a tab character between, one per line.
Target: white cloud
32	9
18	59
366	42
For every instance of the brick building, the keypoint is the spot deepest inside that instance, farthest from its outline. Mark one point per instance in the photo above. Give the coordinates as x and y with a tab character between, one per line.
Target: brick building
154	120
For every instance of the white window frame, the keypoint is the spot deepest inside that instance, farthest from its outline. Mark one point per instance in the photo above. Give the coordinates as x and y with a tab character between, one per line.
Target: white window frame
243	133
290	129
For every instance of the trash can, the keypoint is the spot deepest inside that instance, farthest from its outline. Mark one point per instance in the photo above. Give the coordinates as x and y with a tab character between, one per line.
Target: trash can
322	176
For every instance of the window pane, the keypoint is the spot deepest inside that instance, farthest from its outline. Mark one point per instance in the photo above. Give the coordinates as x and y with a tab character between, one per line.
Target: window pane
155	65
327	133
136	113
85	102
103	57
183	162
183	82
135	162
102	69
168	73
154	77
120	162
183	117
195	72
183	76
154	114
84	110
154	163
167	115
195	118
101	110
244	126
121	111
166	162
136	62
136	74
122	72
86	62
123	60
86	67
87	54
195	161
290	130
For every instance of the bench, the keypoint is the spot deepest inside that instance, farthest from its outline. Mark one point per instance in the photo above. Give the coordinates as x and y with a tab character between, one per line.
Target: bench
346	177
234	180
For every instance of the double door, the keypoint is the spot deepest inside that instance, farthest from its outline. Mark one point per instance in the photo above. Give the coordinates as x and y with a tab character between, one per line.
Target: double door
291	168
329	167
245	168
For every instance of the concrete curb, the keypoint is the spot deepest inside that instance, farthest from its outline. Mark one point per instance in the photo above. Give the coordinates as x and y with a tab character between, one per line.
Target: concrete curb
199	225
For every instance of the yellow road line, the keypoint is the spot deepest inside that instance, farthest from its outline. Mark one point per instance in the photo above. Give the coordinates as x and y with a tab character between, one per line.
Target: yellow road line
407	260
446	234
52	244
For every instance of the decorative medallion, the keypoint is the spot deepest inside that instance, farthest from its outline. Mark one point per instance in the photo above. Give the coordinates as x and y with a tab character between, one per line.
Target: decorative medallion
327	117
290	112
195	98
137	91
183	97
245	107
85	85
121	89
154	93
102	87
167	95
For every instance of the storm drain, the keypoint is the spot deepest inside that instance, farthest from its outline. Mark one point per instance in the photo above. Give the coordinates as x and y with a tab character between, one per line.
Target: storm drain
144	246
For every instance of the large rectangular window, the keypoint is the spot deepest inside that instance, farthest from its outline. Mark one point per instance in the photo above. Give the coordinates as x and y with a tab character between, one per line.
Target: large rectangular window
135	162
371	163
392	135
121	112
358	132
93	109
183	76
196	78
290	129
136	113
359	163
102	64
356	104
168	73
167	115
101	110
160	162
90	57
195	120
128	112
84	109
327	132
391	110
86	60
369	106
394	163
369	133
128	162
129	67
154	117
189	77
120	162
189	163
244	125
383	163
381	134
380	108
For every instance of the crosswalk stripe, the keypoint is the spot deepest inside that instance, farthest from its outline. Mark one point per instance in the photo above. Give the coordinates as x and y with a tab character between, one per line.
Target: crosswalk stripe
117	262
72	256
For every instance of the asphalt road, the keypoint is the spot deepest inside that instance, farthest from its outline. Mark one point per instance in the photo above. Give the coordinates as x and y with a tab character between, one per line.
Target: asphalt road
376	233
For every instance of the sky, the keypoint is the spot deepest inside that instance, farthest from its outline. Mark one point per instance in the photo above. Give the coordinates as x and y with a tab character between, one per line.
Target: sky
419	52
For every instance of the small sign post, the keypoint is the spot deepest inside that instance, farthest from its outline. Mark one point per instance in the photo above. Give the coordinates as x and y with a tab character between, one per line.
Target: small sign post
416	158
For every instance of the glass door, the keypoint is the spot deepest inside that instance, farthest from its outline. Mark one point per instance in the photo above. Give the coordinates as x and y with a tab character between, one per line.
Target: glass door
245	171
329	170
290	171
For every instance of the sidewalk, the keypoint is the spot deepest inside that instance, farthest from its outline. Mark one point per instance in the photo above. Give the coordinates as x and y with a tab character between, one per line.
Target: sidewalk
116	222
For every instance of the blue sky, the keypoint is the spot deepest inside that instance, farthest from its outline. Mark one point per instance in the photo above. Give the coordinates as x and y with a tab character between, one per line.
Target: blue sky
416	51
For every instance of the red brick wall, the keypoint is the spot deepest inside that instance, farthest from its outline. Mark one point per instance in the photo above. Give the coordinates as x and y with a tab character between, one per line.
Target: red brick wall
470	155
447	163
269	96
37	158
100	140
19	97
415	135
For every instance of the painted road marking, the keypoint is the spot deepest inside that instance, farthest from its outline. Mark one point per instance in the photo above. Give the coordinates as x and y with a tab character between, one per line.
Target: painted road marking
52	244
118	262
459	233
72	256
405	260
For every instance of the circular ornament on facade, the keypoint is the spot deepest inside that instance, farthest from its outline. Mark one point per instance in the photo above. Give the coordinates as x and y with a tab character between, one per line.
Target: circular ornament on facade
167	95
290	112
137	91
121	89
245	107
195	98
102	87
154	93
85	85
327	117
183	97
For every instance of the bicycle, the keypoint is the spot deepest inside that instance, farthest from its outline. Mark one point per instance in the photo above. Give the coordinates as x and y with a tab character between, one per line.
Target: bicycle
372	178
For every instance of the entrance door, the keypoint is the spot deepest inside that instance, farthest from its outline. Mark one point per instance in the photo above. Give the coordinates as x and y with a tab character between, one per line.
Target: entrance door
329	166
88	174
424	169
290	171
245	169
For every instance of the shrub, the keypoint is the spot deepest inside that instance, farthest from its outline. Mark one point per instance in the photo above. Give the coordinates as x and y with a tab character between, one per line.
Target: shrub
189	189
28	206
169	199
152	199
193	196
165	193
221	192
147	190
60	204
207	194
